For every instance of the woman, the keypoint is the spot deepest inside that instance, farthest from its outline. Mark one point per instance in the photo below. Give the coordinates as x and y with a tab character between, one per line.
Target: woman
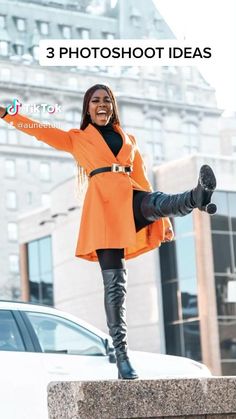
122	217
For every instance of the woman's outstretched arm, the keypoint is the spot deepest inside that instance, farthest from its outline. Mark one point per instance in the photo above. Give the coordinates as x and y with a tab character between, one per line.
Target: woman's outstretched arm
54	137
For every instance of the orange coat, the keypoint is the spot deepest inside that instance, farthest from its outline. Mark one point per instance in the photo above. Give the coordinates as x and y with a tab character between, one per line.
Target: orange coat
107	217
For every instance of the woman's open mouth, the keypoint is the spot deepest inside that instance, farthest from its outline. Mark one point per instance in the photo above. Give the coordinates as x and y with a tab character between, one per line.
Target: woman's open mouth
103	113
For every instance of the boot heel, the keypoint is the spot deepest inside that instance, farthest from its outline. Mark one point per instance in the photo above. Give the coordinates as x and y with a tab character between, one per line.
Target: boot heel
119	376
210	208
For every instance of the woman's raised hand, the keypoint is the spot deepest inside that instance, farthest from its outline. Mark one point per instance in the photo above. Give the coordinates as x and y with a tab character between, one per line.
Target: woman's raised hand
2	111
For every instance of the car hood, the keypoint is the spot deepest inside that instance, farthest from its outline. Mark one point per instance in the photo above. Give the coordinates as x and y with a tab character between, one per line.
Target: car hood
160	365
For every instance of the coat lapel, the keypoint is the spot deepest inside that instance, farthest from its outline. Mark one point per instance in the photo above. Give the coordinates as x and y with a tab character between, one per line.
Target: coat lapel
126	152
101	146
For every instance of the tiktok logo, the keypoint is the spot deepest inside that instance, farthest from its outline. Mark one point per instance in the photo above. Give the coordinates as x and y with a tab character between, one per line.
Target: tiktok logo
14	109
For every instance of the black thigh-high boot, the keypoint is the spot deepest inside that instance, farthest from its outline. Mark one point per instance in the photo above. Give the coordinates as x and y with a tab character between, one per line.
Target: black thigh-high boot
115	282
158	204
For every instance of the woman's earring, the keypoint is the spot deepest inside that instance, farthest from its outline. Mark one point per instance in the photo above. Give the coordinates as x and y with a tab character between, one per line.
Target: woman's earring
87	113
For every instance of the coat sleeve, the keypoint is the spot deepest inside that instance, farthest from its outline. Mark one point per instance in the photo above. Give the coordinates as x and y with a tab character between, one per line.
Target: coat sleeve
139	173
54	137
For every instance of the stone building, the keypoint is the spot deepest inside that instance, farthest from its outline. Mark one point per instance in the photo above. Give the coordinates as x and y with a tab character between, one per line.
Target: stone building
173	113
30	169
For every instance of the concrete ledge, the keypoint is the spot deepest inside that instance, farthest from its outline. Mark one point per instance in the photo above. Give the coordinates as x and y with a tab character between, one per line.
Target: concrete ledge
211	398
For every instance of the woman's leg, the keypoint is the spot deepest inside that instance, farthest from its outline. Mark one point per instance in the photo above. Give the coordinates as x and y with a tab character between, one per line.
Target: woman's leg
139	219
158	204
114	272
111	258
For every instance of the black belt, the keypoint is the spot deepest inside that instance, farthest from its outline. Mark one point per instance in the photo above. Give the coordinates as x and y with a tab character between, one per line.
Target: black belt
117	168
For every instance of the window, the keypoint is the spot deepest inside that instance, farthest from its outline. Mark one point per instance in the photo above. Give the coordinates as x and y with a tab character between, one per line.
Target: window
29	198
66	31
154	143
2	22
11	200
191	138
183	339
185	245
187	72
227	338
226	305
3	135
220	221
84	33
10	338
173	92
45	171
179	290
232	212
228	367
10	168
170	295
18	49
168	261
135	18
12	229
221	253
12	135
4	48
40	271
223	227
20	24
188	293
184	225
59	335
108	35
43	27
14	263
35	52
72	116
45	200
158	23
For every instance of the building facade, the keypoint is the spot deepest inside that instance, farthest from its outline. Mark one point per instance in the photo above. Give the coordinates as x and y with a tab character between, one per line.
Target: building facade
29	169
198	270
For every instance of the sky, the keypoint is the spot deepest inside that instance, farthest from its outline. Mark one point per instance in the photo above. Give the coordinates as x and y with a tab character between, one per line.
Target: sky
208	21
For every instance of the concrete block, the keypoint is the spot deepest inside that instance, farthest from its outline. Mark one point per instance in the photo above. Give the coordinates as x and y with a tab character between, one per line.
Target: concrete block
207	398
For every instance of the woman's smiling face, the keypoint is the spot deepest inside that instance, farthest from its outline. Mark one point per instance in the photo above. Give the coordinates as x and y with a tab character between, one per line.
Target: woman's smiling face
100	107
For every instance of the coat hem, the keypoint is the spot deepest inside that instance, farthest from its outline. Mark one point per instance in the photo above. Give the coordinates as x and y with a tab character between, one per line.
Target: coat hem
91	256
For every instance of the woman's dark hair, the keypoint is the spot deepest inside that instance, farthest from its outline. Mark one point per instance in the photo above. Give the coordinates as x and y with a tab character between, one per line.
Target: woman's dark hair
85	119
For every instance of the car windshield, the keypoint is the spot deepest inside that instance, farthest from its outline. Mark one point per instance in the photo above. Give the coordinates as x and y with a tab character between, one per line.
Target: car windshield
59	335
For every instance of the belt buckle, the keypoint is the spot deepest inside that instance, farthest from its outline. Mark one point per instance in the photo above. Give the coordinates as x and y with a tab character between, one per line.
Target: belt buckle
117	168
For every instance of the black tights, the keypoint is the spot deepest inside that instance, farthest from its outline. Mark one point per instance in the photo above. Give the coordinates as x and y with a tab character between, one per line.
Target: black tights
114	258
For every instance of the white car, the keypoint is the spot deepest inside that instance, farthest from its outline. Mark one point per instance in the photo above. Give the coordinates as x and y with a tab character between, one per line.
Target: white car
40	344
